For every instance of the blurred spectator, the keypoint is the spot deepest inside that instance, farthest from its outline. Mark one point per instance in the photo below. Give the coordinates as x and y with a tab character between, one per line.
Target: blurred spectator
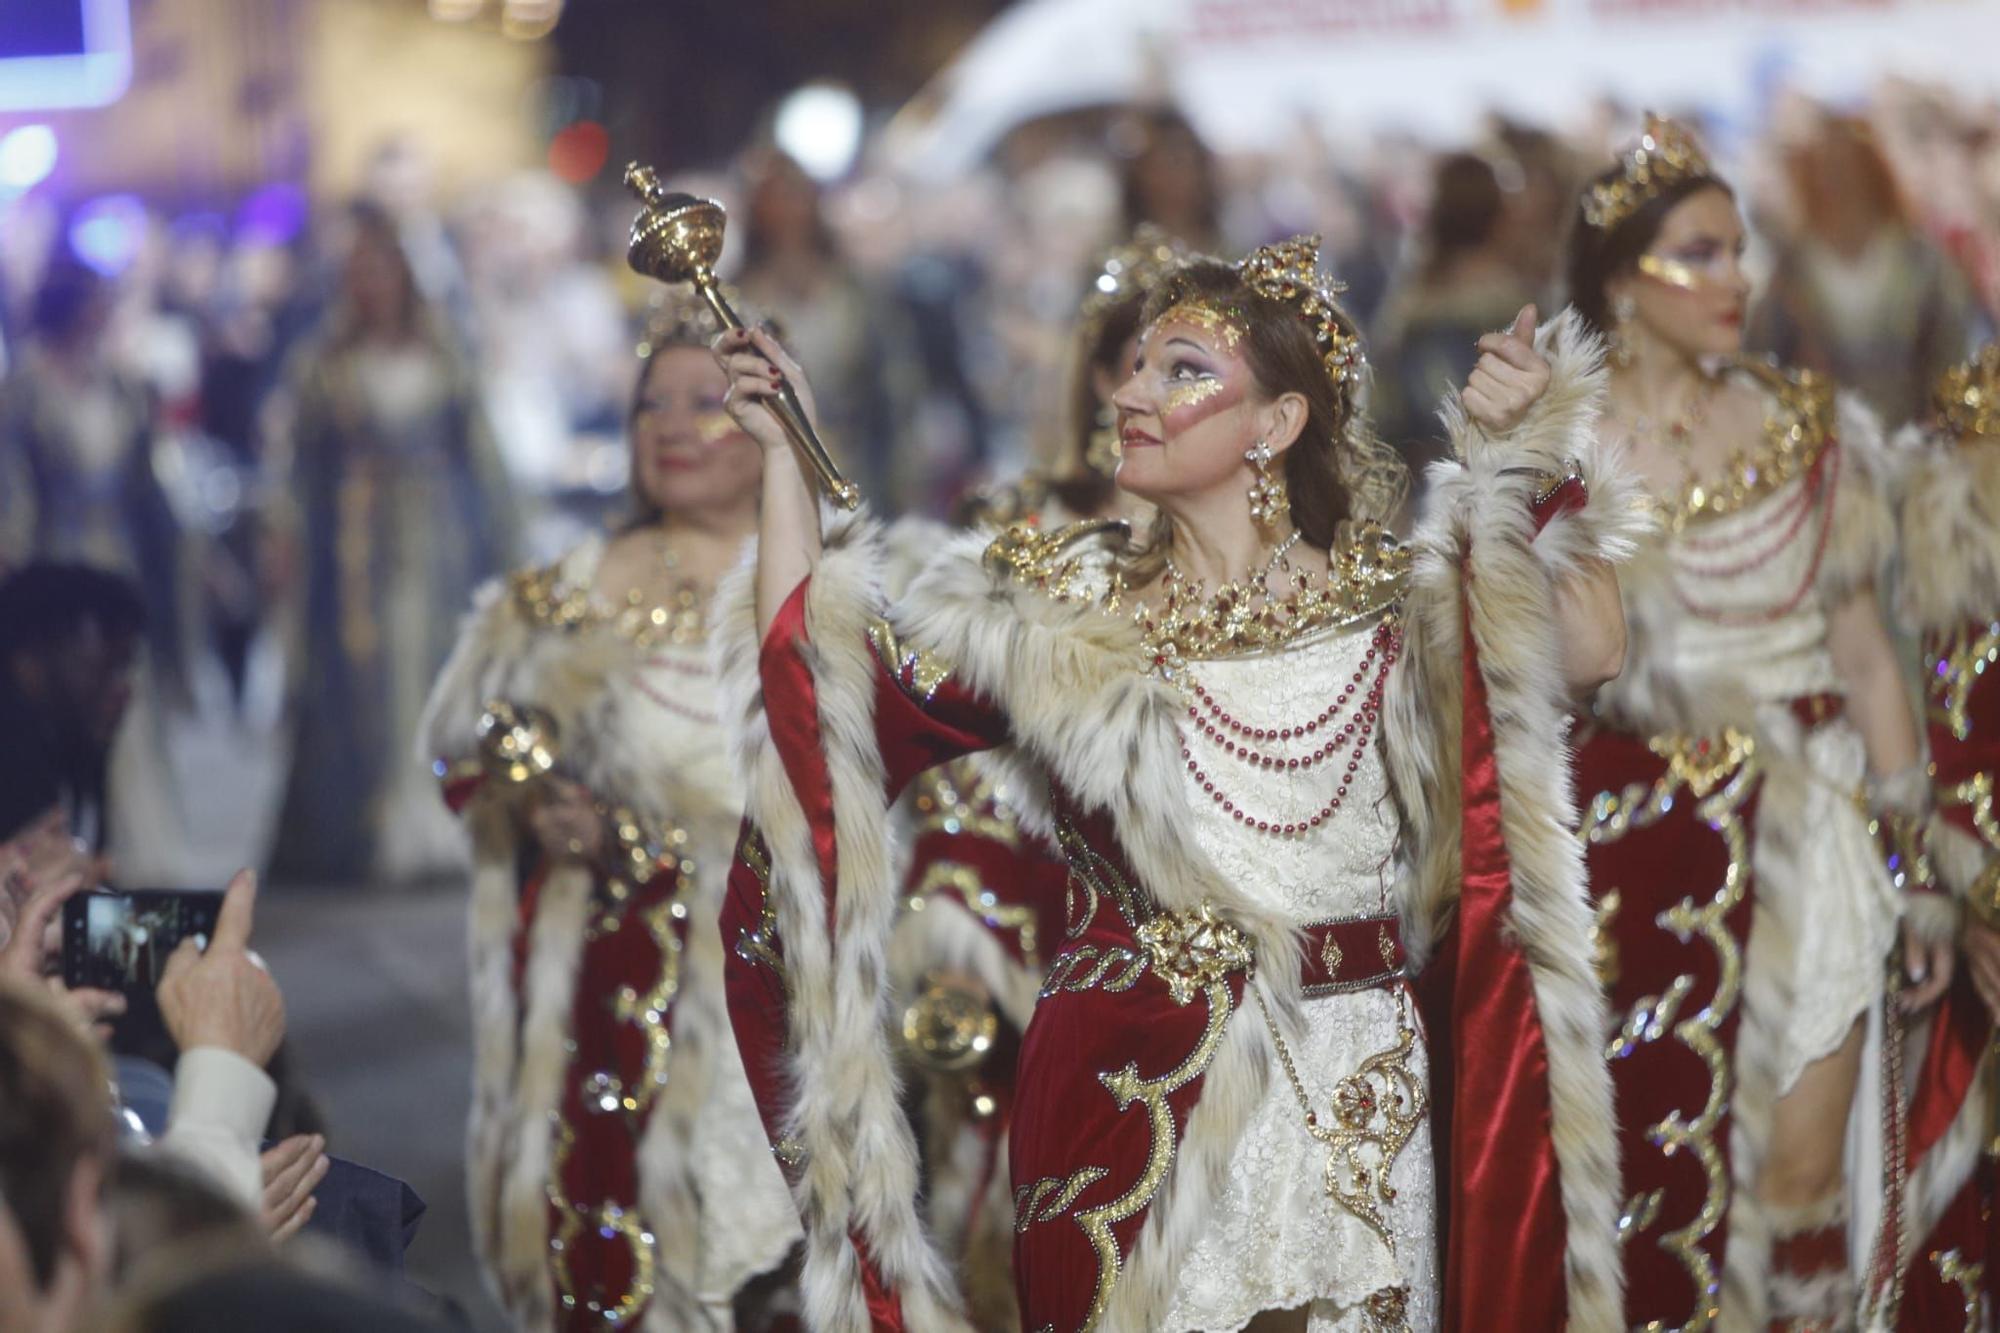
851	339
1858	294
1169	179
164	1211
57	1142
400	510
1463	284
554	349
261	1292
77	467
69	640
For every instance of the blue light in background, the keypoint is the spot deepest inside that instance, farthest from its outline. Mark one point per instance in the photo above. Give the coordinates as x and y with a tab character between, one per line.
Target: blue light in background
106	232
27	156
273	215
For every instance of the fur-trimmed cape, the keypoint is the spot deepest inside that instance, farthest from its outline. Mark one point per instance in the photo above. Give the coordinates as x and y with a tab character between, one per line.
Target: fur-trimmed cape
1084	719
666	765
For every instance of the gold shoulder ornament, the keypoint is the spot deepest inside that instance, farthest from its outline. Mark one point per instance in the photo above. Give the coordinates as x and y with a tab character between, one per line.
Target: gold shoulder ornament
1796	433
1055	562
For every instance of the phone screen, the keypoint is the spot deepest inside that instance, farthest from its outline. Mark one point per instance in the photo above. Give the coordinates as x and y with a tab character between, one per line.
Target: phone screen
121	941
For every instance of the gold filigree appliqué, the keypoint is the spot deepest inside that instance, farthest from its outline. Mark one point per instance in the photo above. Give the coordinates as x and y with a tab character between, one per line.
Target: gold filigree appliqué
1721	774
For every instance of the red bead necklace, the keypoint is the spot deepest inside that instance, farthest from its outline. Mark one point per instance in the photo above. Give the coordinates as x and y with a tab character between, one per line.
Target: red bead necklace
1820	483
1359	730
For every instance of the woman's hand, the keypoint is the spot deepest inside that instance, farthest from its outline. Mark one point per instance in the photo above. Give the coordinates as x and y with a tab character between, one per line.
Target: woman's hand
1510	376
757	366
788	518
1928	968
1982	955
292	1171
564	820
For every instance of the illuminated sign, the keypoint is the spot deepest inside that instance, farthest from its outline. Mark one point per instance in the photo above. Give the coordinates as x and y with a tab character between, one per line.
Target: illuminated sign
64	53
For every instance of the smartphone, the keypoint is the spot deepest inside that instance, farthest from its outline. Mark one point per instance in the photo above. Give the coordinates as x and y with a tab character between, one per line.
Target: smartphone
121	941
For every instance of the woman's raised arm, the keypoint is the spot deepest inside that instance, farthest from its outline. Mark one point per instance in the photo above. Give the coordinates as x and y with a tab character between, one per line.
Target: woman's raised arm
788	533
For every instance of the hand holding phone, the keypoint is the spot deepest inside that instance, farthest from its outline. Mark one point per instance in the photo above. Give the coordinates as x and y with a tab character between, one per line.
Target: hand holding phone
223	995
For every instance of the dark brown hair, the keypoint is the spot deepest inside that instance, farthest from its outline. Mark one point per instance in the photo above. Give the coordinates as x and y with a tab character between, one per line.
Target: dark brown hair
55	1113
1596	255
1334	450
1465	209
1151	130
1081	488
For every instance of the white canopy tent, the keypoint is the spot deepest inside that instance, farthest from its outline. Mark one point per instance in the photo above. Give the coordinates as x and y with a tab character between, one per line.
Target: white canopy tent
1247	71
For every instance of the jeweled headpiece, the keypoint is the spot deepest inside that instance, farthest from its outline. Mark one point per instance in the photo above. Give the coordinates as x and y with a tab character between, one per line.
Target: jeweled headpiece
1288	272
1666	154
1967	398
678	317
1125	273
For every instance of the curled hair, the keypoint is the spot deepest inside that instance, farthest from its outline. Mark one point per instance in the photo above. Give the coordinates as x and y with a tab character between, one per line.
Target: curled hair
1597	255
1081	488
1337	470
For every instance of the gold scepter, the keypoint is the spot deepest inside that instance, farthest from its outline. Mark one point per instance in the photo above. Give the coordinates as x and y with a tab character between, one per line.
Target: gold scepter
677	238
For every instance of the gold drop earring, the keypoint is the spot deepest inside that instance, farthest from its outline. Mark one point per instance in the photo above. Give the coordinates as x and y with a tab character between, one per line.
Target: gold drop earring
1268	499
1623	309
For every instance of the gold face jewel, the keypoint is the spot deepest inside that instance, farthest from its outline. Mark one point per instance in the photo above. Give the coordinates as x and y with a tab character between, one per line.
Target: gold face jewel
1665	155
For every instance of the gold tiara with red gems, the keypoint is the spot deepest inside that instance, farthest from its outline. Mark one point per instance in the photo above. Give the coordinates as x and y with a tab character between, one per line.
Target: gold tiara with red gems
1667	154
1288	272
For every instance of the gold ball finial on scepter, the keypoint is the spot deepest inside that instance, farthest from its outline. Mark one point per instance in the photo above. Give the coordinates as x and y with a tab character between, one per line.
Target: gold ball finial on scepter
677	238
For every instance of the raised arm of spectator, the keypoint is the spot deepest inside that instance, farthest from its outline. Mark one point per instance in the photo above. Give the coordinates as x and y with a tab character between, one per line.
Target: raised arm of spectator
226	1014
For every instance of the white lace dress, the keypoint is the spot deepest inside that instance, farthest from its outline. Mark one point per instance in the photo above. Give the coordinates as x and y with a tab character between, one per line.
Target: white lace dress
1731	622
1277	1241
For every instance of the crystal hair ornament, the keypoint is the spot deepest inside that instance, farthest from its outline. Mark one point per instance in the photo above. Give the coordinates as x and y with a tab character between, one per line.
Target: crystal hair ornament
1126	272
1288	272
1667	154
677	317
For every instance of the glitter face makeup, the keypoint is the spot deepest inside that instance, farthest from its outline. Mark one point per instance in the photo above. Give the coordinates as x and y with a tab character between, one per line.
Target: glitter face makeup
1213	322
1673	272
714	427
1190	393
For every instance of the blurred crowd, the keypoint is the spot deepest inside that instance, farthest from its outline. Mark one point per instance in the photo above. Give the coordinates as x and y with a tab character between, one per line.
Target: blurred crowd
307	444
252	474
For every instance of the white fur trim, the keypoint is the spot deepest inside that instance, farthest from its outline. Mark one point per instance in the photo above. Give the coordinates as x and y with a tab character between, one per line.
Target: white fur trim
860	1174
1479	514
613	742
1950	511
1862	540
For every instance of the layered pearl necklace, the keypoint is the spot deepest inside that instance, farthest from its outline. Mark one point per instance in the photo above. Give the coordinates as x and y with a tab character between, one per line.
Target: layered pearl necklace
1253	746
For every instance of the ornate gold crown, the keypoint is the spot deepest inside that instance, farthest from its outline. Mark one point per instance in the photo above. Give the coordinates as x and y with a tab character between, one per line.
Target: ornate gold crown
1665	155
1288	272
1967	398
1126	271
